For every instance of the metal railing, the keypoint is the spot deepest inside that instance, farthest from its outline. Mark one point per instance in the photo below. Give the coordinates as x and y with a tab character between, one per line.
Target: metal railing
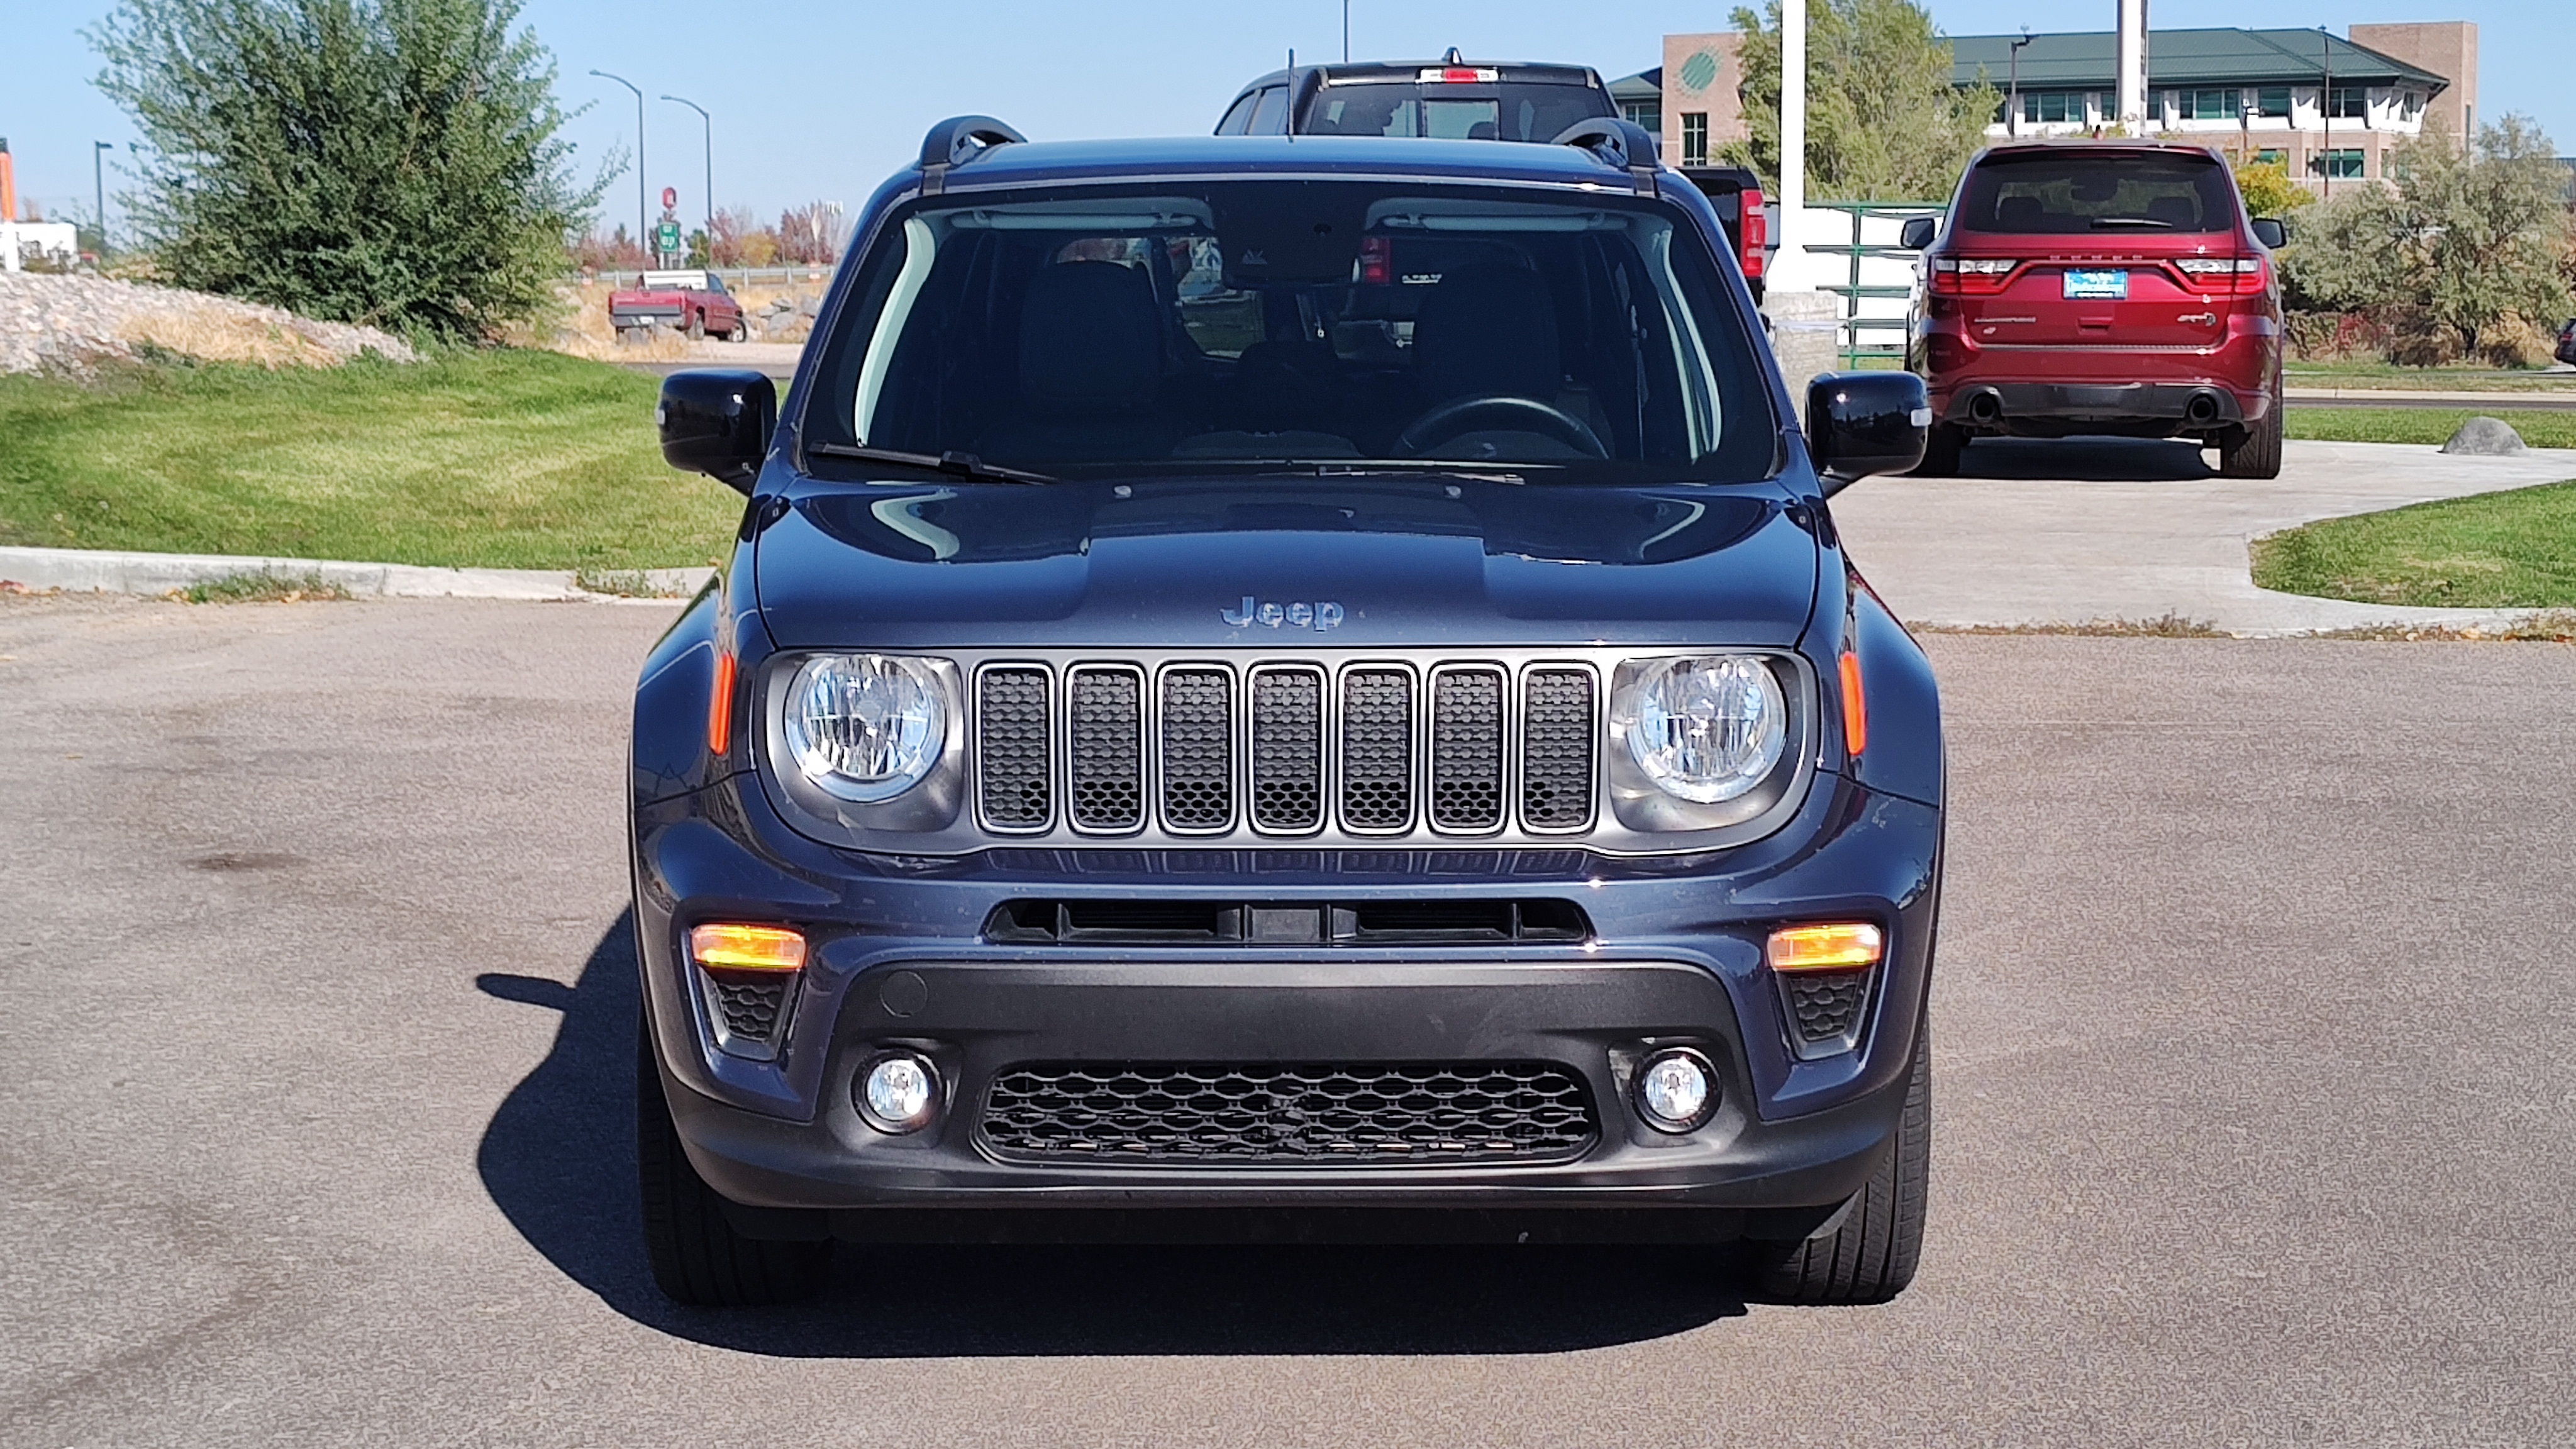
736	278
1856	251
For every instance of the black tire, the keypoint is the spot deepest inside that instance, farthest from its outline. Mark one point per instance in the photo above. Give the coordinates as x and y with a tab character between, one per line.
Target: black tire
1871	1256
1942	445
2253	452
698	1259
697	326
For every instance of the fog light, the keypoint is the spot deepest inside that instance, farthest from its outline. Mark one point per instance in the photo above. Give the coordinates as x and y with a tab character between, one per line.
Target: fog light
1677	1091
898	1093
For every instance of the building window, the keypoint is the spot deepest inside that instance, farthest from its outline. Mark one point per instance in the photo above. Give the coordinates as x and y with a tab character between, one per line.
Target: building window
2213	105
2052	106
2272	101
2336	165
1694	138
1648	114
2271	156
2348	103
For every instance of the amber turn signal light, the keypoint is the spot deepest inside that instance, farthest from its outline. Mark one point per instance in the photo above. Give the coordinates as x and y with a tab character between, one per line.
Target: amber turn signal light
1855	708
1843	947
720	708
747	948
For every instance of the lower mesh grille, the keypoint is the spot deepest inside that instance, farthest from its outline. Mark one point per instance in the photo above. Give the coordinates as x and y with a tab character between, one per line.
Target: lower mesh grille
1467	749
1825	1006
1556	749
1287	749
1011	730
1198	749
1377	749
1108	749
748	1007
1370	1114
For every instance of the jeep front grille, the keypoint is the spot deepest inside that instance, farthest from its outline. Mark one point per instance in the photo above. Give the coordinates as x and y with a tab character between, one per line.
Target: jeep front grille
1284	748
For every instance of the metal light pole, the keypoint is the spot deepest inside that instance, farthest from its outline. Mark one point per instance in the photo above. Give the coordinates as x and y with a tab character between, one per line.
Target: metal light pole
708	124
98	179
1346	32
640	206
2012	118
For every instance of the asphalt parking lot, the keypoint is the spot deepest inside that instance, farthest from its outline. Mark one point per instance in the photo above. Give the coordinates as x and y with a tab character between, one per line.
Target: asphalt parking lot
2251	1024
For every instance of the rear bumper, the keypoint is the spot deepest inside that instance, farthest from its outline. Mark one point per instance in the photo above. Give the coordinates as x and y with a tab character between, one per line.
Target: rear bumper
2052	391
2178	405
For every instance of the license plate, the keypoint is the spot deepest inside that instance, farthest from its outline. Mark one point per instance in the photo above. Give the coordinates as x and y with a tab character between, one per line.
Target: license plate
2097	287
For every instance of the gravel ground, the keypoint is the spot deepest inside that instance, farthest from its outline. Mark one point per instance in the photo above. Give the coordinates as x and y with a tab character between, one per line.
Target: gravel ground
71	324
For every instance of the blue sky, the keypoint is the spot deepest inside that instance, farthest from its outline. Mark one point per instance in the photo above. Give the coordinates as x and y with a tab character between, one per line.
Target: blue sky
818	101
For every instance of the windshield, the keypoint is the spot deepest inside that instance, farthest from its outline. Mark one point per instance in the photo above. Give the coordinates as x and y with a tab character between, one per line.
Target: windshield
2072	191
1299	322
1508	111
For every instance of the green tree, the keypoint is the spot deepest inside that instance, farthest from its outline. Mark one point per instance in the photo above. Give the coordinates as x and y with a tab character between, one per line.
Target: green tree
2471	235
393	162
1884	123
2268	189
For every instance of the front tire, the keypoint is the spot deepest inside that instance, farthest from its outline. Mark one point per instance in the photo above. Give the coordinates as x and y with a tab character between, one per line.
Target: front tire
1871	1256
698	1259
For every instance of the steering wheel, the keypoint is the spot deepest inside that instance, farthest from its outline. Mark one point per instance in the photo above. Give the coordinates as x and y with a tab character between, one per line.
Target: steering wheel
1497	410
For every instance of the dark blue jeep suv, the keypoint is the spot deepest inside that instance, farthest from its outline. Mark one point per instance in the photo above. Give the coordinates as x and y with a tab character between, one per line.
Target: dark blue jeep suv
1287	688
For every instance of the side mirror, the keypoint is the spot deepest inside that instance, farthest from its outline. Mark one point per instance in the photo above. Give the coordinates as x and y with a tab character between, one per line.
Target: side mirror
1859	423
718	422
1918	232
2271	232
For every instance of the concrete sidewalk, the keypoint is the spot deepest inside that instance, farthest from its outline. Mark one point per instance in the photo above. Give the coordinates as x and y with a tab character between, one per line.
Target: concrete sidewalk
2535	399
88	570
2093	530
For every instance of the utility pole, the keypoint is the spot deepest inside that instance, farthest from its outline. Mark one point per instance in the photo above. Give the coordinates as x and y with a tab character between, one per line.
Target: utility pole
1792	237
2132	81
1346	32
708	123
2012	117
98	179
641	207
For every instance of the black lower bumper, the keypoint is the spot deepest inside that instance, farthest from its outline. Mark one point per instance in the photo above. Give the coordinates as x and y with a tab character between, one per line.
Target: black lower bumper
1738	1175
2049	409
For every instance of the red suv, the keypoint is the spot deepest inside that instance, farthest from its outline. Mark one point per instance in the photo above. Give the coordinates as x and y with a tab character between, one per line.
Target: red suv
2100	287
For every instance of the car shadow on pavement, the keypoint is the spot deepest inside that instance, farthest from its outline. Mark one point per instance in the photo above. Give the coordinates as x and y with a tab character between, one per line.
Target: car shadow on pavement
559	1161
2087	460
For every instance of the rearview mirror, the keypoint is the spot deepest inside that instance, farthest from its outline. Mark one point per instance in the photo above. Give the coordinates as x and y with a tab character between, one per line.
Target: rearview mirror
718	422
1918	232
1860	423
2272	232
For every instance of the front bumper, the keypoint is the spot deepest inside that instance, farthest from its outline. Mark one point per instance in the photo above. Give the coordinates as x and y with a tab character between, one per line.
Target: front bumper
1675	959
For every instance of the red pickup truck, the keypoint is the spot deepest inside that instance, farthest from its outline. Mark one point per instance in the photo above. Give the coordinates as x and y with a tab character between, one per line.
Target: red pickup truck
693	302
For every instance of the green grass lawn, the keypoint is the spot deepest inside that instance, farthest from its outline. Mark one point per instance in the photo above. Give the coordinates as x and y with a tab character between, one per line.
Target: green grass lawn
498	459
2510	550
2541	428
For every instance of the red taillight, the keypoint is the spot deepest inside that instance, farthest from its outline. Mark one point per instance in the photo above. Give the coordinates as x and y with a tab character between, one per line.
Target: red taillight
1458	75
1755	229
2240	276
1971	276
1377	260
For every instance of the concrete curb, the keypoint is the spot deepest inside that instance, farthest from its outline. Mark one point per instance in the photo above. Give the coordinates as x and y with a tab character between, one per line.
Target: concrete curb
116	572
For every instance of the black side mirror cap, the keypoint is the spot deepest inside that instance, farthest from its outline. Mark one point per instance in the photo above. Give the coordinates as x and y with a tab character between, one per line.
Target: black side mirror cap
718	421
1918	232
1860	423
2272	232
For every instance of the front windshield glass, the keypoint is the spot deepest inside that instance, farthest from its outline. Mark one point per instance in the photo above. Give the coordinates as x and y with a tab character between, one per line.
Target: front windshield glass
1261	323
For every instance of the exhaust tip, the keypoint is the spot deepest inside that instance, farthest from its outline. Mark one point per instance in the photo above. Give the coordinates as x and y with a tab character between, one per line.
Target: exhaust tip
2203	408
1985	407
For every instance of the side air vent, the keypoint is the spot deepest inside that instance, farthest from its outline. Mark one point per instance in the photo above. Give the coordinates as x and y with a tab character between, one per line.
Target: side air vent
1377	750
1108	746
1288	749
1012	730
1198	749
1467	748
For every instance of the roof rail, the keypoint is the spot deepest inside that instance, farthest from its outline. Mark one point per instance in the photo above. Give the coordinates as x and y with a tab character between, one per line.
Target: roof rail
1617	142
956	141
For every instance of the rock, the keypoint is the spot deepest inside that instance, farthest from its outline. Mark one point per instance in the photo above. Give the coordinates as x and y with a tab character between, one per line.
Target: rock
812	306
2485	438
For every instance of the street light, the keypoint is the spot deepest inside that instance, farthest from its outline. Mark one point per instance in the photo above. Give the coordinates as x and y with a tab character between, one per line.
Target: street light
98	179
1346	32
709	125
2012	117
640	228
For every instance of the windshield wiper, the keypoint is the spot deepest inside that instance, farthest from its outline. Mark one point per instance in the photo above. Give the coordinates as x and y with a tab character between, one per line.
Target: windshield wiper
955	465
2101	221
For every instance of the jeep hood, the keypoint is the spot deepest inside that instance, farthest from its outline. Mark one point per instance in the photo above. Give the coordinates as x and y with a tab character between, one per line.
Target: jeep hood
1359	562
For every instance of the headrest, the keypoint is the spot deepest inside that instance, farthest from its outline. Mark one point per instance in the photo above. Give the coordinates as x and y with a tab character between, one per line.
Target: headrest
1091	339
2019	213
1487	330
2181	212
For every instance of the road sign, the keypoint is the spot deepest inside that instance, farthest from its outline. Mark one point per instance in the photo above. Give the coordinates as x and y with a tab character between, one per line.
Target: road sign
670	197
666	237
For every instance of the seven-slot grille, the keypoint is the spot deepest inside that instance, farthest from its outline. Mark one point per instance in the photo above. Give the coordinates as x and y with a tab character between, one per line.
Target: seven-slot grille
1286	748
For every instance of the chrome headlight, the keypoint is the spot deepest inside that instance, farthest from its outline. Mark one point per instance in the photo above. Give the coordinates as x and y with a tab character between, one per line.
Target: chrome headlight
866	727
1707	729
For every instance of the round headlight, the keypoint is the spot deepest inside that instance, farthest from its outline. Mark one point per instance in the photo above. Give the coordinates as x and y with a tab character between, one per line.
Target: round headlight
866	727
1708	729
